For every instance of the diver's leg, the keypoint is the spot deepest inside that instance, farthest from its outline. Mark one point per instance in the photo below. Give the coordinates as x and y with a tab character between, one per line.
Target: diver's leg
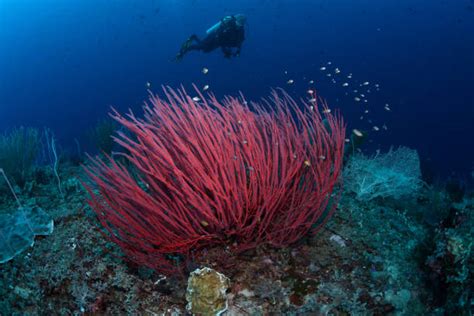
195	38
188	45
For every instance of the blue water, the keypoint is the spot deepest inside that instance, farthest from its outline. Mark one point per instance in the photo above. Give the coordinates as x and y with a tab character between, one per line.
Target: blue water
64	63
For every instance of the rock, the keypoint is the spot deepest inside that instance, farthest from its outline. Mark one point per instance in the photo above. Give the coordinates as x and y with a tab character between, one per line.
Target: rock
206	293
22	292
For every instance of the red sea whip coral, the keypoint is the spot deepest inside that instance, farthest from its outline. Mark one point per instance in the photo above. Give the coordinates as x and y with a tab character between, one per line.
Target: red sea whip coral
199	173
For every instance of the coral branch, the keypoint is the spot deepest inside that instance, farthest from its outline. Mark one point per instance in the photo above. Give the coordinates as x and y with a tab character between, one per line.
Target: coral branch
208	173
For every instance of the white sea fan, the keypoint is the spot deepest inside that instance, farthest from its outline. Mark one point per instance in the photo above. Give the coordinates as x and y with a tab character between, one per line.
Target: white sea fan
395	174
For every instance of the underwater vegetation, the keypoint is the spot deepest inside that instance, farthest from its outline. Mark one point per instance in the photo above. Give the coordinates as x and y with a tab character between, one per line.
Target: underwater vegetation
208	173
101	135
29	157
235	189
19	150
394	174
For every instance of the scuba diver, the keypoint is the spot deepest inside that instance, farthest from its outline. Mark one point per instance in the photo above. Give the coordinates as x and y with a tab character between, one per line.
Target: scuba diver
228	34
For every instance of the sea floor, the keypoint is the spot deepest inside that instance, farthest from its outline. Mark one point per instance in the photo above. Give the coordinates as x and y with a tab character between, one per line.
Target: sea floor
373	258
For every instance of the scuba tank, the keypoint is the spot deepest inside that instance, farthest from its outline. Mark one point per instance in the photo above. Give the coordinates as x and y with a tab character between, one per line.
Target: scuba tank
213	28
216	26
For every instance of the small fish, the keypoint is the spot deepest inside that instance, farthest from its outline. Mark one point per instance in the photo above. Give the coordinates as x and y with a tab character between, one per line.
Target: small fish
205	70
322	157
310	91
291	81
357	133
336	71
362	95
345	84
357	99
347	140
148	84
311	81
307	163
349	76
385	127
322	68
329	62
205	88
376	128
204	223
326	111
329	75
366	111
366	83
196	99
312	100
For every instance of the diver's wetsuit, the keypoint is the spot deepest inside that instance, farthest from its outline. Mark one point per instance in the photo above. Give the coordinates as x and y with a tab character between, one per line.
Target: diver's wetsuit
229	33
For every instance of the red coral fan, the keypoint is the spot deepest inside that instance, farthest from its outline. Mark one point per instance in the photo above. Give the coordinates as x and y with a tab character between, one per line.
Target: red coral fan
208	173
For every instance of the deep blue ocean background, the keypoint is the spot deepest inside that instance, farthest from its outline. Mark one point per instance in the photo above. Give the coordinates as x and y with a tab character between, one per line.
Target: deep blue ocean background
64	63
